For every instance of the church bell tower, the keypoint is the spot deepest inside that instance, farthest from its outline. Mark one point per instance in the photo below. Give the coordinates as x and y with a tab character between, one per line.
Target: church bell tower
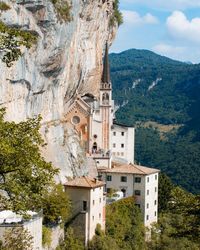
106	103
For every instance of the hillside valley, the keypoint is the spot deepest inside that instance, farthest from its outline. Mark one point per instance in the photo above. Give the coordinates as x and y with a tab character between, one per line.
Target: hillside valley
160	97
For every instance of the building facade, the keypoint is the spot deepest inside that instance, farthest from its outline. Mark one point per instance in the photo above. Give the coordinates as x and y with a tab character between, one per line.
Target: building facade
92	117
87	196
111	145
123	143
140	182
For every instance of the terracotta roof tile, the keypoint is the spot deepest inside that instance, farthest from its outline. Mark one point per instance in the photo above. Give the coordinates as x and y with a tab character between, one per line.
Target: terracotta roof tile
129	169
84	182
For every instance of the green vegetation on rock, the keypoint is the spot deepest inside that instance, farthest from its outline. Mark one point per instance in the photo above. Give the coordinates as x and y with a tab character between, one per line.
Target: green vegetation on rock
117	16
63	9
11	41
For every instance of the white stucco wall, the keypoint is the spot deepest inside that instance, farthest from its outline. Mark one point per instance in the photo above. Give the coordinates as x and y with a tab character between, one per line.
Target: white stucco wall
95	209
151	199
131	186
117	184
126	136
34	226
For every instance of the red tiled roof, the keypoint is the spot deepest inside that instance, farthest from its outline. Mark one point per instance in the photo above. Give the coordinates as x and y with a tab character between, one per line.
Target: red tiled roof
129	169
84	182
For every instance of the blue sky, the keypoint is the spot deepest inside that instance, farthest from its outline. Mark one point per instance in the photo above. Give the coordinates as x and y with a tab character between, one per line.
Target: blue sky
167	27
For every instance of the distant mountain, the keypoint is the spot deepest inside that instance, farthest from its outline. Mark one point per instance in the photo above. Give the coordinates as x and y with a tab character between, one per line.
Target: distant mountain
161	97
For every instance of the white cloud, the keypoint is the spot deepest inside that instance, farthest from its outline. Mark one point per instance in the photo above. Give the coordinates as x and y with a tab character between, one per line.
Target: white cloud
148	18
168	50
180	27
132	17
178	52
166	4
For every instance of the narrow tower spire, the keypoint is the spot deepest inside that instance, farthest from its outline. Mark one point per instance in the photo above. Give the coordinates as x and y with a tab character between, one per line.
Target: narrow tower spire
106	67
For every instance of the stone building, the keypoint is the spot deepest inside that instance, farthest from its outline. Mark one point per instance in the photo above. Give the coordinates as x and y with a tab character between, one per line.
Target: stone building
88	201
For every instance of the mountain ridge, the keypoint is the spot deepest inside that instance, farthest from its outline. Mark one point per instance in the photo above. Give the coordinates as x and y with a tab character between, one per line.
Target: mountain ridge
151	88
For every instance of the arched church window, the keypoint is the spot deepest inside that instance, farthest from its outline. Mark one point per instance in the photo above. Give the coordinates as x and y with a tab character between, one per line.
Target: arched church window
94	148
76	120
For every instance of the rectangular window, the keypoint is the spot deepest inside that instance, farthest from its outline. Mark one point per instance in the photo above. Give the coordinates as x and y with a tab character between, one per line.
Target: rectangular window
122	145
148	192
114	133
99	200
84	205
122	154
147	205
137	192
108	190
156	177
155	202
137	179
155	189
99	215
147	179
93	202
123	179
109	177
122	133
93	218
114	145
147	217
155	213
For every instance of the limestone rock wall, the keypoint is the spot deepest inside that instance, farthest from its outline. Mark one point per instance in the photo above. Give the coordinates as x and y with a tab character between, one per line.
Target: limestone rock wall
66	61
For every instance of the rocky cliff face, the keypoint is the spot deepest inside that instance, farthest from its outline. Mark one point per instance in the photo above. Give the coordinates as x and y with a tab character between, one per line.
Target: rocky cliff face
66	61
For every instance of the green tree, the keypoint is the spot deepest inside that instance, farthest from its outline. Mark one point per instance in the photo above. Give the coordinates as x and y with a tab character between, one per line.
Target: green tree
178	226
71	242
164	191
25	175
101	241
56	205
124	224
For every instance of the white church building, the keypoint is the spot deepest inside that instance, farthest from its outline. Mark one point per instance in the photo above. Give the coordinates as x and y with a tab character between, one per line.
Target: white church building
92	117
111	146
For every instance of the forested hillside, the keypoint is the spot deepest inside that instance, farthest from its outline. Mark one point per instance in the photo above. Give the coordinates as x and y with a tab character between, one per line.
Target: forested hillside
161	98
